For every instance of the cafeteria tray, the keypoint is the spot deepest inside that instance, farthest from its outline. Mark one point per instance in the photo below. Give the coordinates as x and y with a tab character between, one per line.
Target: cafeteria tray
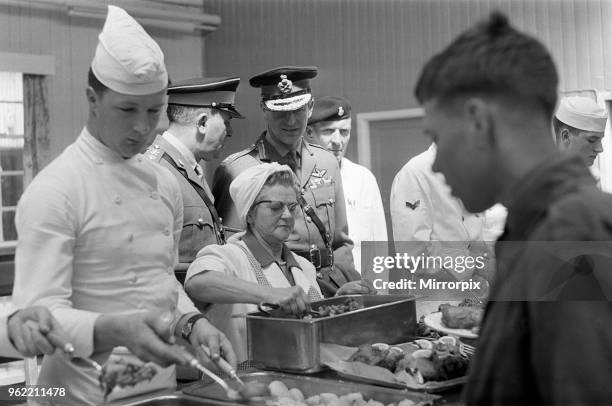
311	386
289	344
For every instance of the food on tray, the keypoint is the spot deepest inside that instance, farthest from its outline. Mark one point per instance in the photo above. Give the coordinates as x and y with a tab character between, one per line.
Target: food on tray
472	303
295	397
333	310
464	317
418	362
254	389
423	330
123	373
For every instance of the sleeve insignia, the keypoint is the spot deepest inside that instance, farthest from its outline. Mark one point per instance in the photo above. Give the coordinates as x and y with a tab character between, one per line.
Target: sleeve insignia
414	205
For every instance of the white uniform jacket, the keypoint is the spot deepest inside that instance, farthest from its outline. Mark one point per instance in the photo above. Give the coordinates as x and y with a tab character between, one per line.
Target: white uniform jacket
364	209
97	234
423	209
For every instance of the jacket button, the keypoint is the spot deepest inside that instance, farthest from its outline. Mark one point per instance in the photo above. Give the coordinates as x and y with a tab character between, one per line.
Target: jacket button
154	195
117	199
166	232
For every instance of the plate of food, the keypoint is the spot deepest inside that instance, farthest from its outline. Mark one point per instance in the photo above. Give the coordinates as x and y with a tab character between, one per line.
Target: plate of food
462	321
422	365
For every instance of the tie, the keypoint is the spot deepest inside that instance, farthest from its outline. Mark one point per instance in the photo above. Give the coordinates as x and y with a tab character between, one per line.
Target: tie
291	160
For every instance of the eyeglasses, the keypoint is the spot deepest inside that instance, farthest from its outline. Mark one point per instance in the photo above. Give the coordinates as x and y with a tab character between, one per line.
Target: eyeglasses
277	207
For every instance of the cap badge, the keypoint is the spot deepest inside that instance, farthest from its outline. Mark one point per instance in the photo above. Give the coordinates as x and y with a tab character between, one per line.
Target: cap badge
284	85
340	111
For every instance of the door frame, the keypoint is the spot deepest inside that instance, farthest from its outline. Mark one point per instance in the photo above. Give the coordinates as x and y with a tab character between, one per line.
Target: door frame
365	120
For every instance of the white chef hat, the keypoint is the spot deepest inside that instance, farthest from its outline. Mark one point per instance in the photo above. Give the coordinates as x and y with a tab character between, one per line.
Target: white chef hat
582	113
247	185
127	59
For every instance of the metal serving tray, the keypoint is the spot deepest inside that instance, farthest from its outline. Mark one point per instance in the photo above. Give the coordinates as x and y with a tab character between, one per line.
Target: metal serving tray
174	399
311	386
294	345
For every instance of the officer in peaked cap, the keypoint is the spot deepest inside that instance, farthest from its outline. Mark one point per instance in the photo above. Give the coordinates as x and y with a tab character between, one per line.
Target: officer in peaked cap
199	111
321	233
579	125
330	127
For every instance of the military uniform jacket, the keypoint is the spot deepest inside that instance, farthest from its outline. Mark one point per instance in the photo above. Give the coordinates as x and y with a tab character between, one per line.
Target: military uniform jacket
321	186
199	229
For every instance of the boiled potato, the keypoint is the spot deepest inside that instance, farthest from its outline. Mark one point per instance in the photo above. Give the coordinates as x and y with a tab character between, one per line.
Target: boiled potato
314	400
296	395
352	399
278	389
253	389
286	401
330	399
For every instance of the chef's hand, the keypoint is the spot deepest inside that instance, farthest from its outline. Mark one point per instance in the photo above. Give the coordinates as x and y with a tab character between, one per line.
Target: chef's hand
34	330
292	300
360	287
219	346
147	335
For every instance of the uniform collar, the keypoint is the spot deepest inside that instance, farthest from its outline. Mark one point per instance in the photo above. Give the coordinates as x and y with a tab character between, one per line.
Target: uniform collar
180	147
263	256
281	149
537	190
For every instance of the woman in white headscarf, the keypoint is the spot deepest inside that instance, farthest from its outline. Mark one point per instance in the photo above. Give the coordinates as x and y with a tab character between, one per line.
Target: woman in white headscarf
255	266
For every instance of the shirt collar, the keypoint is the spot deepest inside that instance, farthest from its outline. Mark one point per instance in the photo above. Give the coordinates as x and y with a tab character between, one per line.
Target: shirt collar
180	146
263	256
281	149
538	189
101	152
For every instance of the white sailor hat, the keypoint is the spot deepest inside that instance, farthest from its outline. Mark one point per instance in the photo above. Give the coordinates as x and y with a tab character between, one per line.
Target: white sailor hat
582	113
286	88
127	59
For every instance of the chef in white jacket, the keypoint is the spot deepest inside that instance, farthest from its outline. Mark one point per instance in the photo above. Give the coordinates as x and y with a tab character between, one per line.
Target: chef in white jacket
423	209
99	229
330	127
579	125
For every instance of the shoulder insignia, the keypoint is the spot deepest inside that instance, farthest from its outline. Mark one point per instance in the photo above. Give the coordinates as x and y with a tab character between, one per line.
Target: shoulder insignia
414	205
310	144
231	158
154	152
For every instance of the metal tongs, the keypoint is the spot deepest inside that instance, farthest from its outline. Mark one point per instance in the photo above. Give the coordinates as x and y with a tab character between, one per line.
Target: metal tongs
223	365
274	310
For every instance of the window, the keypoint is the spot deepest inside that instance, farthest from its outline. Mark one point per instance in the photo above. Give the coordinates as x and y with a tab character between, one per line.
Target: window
11	150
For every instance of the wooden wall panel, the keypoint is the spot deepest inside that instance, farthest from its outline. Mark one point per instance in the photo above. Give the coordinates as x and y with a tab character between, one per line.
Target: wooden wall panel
371	51
72	41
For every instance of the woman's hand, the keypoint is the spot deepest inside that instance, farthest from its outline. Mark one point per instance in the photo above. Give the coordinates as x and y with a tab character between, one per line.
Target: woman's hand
292	300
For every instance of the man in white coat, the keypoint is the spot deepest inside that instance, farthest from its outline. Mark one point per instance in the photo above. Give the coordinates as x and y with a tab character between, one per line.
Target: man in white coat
423	210
99	229
579	124
330	127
